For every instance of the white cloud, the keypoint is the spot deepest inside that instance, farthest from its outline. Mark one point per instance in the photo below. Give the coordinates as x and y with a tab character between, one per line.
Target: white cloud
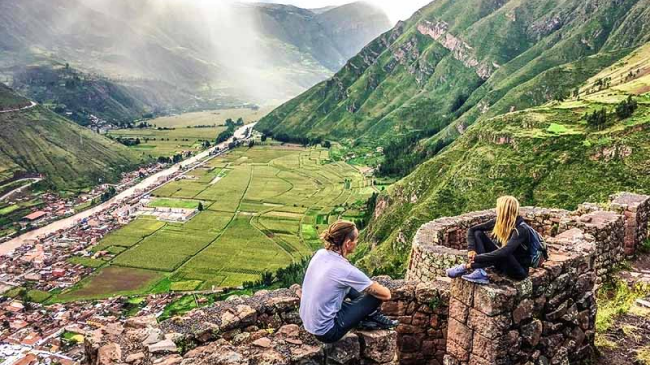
396	9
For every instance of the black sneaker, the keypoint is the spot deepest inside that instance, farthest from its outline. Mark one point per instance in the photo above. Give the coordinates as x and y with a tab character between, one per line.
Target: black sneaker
382	321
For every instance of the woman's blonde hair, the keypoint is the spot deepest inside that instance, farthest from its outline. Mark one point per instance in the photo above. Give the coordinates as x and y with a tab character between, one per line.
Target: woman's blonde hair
507	213
336	234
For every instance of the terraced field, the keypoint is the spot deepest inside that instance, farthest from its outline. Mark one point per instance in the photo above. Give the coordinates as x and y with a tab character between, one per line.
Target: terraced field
263	208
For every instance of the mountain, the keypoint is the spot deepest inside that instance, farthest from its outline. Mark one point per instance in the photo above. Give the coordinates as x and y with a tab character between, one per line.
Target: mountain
557	155
36	140
455	62
218	53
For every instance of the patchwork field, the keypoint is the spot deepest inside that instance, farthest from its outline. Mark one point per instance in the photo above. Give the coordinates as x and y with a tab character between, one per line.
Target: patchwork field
263	209
155	143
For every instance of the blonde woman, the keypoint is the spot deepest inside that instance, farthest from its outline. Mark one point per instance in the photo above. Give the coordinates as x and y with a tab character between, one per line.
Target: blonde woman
336	296
508	251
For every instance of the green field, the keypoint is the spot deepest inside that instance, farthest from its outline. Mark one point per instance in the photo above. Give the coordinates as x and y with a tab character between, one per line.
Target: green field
166	143
174	203
263	209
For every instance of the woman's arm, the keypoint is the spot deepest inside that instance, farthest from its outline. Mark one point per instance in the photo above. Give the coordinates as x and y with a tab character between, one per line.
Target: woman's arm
516	239
471	241
378	291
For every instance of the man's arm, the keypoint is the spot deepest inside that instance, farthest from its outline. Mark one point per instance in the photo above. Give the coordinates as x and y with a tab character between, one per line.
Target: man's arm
378	291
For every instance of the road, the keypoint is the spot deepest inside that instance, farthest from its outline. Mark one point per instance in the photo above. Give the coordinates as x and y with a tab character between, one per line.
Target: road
33	104
146	185
34	181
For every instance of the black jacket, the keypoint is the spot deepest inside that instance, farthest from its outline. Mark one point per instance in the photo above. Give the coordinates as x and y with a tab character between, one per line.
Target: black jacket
519	238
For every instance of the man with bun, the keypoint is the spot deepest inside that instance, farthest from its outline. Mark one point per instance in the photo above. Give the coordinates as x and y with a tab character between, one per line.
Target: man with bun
336	296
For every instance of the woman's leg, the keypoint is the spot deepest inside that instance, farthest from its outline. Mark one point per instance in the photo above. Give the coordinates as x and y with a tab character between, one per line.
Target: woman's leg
351	314
483	243
512	268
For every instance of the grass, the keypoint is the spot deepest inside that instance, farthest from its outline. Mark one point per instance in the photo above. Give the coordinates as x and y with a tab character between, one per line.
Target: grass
614	300
643	356
86	261
174	203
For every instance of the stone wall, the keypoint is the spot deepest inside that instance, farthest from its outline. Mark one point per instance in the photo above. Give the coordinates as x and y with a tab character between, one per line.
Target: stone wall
618	228
422	310
548	318
608	230
636	209
265	329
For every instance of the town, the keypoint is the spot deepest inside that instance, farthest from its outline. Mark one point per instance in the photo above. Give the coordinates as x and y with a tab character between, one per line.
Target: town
34	333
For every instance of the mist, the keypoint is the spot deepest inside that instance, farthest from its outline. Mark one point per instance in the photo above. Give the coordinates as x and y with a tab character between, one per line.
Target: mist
210	50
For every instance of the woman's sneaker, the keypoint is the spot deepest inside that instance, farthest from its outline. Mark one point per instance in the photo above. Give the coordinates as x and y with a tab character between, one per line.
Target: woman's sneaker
478	276
457	271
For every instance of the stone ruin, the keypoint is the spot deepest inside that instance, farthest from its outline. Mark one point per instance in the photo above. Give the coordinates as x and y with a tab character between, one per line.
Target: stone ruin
549	318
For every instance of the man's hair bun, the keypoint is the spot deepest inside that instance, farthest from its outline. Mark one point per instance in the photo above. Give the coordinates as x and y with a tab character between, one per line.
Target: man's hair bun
336	234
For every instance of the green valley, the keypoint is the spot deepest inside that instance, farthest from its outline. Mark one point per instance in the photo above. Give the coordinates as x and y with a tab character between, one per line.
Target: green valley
263	208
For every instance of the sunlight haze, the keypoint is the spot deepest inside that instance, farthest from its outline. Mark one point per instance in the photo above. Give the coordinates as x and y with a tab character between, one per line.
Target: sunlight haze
396	10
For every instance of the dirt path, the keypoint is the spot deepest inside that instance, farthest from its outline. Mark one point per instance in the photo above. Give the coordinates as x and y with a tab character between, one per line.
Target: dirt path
629	336
33	104
19	189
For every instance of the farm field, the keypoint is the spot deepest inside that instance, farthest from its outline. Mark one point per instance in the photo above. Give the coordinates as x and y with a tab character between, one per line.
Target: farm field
264	208
211	117
156	143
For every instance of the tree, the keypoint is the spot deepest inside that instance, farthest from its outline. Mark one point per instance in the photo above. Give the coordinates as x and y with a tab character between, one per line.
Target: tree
264	137
327	144
200	207
626	108
597	119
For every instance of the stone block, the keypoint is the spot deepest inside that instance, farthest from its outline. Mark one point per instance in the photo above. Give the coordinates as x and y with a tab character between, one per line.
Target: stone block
378	346
463	291
460	334
345	351
489	326
494	299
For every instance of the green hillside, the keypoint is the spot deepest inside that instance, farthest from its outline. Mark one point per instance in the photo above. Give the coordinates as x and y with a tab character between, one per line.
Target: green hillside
36	140
455	62
557	155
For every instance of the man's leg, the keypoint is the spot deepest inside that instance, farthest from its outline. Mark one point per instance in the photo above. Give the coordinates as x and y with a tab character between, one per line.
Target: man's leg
352	313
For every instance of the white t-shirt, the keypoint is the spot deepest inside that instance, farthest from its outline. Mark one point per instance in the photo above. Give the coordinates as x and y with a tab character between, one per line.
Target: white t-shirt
328	280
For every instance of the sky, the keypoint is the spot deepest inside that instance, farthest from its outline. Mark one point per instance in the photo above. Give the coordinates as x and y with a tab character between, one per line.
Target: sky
396	9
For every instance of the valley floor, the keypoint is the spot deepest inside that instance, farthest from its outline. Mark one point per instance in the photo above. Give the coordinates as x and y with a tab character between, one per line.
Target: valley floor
263	208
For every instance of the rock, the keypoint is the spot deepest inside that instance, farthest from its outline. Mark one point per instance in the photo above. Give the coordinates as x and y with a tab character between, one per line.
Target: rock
271	357
227	319
135	358
345	351
141	322
246	314
264	342
304	354
169	360
379	346
532	332
294	341
289	330
109	354
163	346
523	311
153	335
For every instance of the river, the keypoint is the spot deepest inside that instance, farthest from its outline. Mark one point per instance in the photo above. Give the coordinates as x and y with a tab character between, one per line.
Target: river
145	185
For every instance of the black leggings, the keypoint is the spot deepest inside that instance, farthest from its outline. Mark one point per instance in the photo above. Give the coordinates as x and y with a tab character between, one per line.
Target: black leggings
508	265
353	310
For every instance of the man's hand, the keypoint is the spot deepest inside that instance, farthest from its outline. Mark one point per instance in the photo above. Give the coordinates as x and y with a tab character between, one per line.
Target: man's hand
378	291
471	255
